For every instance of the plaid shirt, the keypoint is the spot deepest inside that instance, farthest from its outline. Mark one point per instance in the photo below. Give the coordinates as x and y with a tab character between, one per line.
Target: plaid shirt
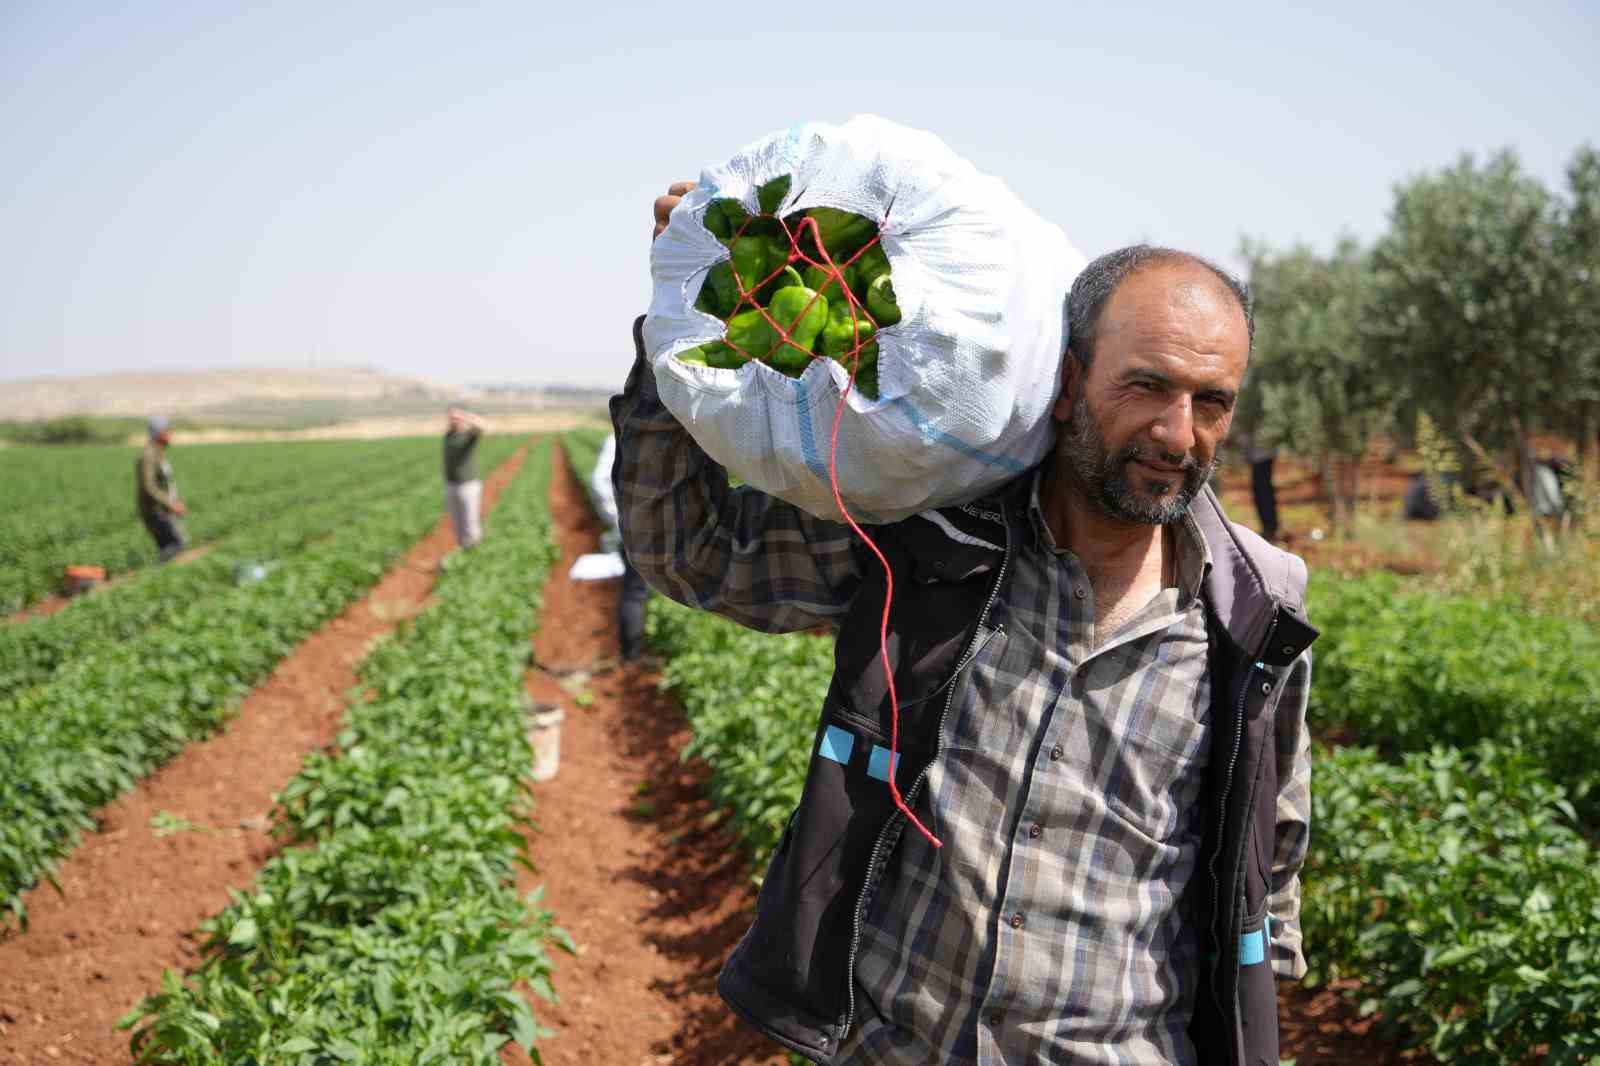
1052	926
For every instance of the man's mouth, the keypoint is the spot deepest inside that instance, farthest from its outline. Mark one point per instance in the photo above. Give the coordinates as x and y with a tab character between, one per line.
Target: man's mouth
1161	468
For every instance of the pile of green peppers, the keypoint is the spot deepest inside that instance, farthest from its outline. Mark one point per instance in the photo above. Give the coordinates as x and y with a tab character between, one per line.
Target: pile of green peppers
781	301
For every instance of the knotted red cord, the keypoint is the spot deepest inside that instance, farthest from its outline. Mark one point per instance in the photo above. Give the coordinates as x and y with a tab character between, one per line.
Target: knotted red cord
858	311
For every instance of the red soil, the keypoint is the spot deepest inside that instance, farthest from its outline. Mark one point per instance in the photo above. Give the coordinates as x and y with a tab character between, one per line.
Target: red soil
627	849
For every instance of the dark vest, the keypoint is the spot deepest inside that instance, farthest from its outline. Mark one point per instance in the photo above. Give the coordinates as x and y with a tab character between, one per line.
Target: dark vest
792	974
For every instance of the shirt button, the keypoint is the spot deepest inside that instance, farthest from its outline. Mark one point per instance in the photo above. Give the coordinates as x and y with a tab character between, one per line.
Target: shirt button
1035	830
1079	592
1016	920
995	1018
1266	688
1055	753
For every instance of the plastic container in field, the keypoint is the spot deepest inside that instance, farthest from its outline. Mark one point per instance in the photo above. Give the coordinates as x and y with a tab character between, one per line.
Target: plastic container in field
544	734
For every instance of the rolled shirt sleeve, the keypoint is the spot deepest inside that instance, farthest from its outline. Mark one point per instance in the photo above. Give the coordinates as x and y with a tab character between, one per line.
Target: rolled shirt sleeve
762	562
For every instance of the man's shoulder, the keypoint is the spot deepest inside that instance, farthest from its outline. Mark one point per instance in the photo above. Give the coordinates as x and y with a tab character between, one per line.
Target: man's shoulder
1247	564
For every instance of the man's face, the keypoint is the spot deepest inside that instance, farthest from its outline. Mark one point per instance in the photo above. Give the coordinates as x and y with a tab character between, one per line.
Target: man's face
1140	427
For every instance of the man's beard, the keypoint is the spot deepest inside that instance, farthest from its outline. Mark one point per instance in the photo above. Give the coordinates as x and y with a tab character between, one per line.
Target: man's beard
1108	481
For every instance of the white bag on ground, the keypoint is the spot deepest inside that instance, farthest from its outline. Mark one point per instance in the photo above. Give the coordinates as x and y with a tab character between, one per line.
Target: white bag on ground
966	378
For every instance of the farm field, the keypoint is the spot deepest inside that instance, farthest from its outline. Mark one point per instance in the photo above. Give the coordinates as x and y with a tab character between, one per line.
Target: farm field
75	504
303	799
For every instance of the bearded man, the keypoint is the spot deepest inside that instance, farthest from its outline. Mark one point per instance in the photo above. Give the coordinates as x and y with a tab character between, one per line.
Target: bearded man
1102	688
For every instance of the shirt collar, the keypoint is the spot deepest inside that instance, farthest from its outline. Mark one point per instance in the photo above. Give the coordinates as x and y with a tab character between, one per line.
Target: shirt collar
1194	555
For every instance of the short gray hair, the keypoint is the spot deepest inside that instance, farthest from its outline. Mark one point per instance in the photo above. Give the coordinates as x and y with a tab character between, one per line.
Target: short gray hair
1093	289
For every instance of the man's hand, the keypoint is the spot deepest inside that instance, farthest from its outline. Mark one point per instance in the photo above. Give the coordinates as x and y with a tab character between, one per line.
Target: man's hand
665	204
179	508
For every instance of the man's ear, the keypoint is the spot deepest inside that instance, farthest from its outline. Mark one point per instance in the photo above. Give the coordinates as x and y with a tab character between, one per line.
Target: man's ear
1072	375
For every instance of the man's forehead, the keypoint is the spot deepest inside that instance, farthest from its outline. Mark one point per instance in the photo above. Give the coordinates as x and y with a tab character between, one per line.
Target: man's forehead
1179	303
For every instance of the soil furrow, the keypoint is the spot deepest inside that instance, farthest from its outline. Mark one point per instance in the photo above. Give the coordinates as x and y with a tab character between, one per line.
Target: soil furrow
627	845
166	854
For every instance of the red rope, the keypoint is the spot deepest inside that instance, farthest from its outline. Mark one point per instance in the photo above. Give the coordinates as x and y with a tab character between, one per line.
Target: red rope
858	312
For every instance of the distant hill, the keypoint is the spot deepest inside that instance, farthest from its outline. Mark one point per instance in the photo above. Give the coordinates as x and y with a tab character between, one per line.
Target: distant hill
212	392
268	398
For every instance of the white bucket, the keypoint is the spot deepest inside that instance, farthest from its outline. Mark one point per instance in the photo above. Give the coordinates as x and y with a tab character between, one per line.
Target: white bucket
544	733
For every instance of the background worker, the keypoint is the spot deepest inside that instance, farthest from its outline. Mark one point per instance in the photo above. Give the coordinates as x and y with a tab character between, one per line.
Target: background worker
635	592
159	505
463	491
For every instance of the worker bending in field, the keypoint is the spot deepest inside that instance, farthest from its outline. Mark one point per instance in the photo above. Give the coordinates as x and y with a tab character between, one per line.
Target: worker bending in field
159	505
463	491
1102	687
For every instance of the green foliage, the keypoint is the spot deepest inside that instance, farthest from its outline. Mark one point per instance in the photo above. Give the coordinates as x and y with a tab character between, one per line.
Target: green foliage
31	651
1317	382
1409	669
110	717
753	701
583	447
392	933
76	504
1469	290
72	429
1455	886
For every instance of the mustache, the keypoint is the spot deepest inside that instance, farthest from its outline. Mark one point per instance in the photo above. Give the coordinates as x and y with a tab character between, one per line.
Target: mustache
1133	453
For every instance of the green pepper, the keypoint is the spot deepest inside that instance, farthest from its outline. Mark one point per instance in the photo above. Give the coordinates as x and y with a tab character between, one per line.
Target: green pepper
716	222
867	382
880	301
871	264
823	281
693	356
718	354
845	330
719	296
724	218
751	333
802	314
749	262
788	277
724	288
770	195
842	232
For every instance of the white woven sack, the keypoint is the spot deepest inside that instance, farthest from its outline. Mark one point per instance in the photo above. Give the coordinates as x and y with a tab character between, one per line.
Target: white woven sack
966	378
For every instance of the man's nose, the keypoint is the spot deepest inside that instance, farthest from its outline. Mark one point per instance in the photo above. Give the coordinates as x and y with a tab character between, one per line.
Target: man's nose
1173	431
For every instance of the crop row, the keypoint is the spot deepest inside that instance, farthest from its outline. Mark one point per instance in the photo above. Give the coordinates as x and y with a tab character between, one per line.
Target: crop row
31	651
1405	670
107	719
227	487
392	932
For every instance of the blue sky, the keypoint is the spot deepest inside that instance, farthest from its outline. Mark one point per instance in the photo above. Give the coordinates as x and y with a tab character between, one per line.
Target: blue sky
463	192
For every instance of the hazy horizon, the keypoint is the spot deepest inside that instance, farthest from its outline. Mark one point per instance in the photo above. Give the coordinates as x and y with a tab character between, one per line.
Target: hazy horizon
463	195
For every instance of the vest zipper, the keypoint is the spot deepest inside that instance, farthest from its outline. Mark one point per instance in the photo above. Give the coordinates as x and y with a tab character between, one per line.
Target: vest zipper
1222	804
915	790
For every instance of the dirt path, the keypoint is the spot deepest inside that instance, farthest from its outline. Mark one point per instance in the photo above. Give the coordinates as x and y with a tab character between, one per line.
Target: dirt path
134	892
627	848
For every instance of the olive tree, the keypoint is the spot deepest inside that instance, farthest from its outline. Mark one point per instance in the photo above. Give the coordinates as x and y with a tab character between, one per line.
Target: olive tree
1470	306
1314	385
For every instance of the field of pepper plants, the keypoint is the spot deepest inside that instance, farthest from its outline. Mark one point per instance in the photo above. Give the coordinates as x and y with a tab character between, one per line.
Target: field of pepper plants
1452	871
95	696
386	924
392	931
69	505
